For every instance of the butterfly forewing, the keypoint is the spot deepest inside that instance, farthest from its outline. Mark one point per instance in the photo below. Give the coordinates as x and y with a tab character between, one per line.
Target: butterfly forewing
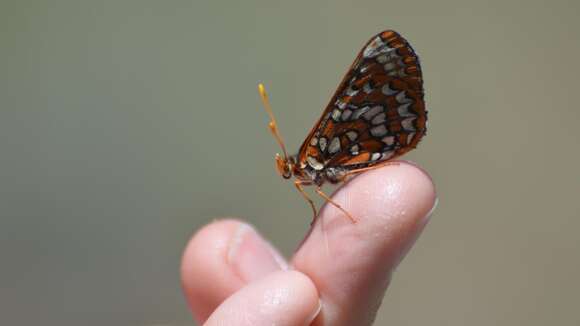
377	113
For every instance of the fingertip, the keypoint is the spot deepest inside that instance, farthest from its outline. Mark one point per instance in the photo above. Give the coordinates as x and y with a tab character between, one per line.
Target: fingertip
307	303
204	262
351	264
411	187
395	203
401	190
221	258
281	298
214	237
409	202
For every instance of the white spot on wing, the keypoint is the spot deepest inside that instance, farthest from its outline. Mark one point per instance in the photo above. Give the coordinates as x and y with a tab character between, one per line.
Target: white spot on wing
387	90
379	131
360	112
410	138
314	163
382	59
403	110
313	141
389	140
387	155
402	98
392	55
373	48
322	143
346	114
351	92
354	149
408	124
336	115
367	88
352	135
334	146
379	118
372	112
389	66
375	156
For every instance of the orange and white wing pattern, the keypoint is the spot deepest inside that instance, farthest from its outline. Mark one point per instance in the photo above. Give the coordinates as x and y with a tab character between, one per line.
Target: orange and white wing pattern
377	113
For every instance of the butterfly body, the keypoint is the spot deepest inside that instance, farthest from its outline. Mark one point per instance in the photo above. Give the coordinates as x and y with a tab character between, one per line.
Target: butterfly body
306	174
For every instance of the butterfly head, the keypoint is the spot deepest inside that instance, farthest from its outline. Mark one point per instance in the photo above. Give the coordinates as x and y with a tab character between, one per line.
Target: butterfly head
285	166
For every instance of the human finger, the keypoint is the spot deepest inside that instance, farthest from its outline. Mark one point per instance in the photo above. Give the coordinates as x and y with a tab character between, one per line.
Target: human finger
284	298
220	259
351	263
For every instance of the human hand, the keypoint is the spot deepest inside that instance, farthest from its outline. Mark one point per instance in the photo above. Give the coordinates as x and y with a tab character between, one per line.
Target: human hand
338	276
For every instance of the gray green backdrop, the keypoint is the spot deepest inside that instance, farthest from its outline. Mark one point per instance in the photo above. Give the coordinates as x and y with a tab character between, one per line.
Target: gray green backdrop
127	125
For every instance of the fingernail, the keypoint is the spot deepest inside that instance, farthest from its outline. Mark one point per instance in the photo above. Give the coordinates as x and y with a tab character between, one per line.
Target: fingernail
315	314
251	256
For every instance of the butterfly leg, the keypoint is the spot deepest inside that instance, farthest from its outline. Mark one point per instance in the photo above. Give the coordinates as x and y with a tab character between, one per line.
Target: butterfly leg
327	198
298	185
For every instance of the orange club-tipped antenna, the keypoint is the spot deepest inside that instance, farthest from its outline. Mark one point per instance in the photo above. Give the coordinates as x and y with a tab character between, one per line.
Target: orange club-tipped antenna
298	183
272	125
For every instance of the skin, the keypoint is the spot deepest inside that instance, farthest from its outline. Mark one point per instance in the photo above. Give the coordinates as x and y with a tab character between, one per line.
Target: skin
338	276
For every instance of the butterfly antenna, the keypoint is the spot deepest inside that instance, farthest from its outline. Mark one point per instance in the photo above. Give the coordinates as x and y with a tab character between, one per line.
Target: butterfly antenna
273	126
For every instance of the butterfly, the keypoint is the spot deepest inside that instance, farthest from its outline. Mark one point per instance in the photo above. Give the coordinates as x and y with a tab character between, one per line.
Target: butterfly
376	114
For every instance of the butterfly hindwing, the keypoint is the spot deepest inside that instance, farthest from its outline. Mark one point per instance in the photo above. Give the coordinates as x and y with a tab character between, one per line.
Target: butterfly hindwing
377	112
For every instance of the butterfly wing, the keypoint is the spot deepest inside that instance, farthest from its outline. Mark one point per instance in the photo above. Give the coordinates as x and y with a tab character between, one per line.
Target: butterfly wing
377	113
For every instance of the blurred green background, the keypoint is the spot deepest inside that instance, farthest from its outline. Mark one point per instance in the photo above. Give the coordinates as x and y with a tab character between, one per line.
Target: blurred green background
127	125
